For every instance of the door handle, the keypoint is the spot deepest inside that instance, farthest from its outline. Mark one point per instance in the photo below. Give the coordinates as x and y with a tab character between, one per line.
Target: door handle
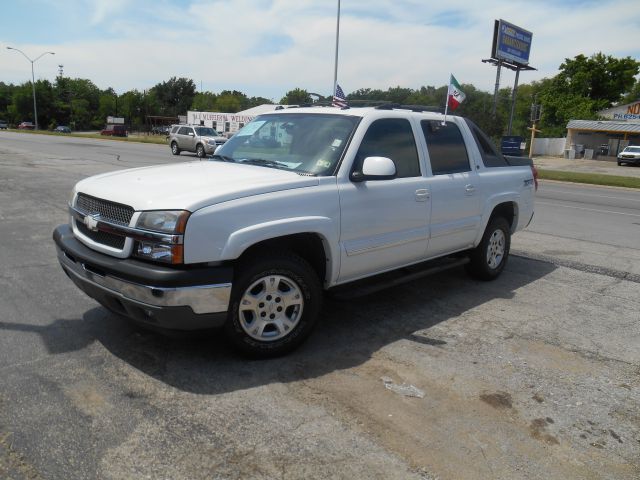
422	195
469	189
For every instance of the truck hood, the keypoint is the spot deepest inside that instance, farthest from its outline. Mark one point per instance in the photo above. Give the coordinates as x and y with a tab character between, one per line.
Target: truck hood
189	186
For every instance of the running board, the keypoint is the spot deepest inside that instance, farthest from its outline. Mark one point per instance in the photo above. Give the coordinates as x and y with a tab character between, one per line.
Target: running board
367	286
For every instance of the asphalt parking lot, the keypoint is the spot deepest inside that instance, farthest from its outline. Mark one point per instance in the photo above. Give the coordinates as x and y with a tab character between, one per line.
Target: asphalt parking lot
535	375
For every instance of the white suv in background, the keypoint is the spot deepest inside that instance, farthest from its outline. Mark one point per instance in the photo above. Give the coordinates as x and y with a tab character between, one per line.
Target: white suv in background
194	138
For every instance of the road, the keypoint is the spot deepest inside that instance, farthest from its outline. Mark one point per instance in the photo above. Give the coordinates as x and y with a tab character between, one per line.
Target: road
594	214
535	375
588	227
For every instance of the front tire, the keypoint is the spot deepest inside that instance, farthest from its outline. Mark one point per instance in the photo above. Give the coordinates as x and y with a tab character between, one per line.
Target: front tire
489	258
175	149
200	151
275	303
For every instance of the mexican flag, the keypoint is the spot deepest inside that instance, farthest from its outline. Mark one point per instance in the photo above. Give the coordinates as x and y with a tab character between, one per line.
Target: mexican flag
456	95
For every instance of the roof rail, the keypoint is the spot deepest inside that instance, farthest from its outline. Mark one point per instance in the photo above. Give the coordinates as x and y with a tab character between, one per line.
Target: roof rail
413	108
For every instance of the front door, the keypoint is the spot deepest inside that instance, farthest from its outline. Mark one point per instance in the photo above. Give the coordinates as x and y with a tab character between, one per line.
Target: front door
384	223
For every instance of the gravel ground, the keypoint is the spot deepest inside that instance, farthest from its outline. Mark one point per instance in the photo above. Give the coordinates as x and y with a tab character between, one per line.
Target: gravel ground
535	375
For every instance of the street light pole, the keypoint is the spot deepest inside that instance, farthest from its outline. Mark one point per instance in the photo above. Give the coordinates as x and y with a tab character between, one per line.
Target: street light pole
33	80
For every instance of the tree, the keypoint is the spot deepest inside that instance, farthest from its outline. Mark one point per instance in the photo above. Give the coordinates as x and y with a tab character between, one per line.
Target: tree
633	95
599	77
228	103
297	96
174	96
204	102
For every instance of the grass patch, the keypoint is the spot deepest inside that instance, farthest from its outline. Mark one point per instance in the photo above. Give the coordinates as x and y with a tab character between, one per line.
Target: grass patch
590	178
157	139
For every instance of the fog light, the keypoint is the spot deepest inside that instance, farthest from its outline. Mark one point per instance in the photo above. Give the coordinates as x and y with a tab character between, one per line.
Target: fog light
155	251
160	252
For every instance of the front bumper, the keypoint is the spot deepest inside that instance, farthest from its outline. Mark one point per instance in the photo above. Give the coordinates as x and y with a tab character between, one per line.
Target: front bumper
629	159
165	297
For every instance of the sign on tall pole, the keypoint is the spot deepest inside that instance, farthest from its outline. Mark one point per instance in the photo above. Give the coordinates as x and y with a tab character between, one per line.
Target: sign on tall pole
510	48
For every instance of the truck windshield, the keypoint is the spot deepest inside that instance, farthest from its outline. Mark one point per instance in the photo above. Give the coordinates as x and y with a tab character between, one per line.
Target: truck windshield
206	132
310	143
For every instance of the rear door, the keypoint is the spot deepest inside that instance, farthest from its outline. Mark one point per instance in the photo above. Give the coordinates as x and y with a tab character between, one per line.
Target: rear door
186	138
456	194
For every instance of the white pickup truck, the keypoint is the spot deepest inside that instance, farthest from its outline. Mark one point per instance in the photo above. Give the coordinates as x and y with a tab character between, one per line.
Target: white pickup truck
298	202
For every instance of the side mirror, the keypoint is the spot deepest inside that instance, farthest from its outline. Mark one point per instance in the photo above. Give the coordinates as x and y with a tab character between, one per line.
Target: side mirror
375	168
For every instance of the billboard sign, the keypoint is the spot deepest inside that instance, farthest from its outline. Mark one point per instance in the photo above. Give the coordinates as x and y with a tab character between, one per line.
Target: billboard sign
511	43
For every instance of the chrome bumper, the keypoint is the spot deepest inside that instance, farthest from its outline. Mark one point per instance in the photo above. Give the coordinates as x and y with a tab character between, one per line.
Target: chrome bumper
201	298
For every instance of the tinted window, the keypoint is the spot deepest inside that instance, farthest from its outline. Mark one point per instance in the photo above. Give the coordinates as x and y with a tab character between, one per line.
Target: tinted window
447	150
392	138
490	155
184	131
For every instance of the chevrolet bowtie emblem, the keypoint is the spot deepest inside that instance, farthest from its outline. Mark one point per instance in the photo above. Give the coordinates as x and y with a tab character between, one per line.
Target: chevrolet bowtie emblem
91	221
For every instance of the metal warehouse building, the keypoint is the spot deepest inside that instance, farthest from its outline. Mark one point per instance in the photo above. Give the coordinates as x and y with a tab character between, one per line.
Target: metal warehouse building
604	137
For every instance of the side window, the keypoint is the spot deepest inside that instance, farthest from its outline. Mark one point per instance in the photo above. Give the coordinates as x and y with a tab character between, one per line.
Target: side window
174	130
490	155
447	150
392	138
184	131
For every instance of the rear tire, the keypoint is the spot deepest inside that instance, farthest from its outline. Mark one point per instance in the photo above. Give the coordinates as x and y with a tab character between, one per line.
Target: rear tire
275	303
489	258
175	149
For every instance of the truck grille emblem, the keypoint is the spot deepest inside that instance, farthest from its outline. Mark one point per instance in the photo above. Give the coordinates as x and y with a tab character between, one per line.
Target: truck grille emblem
91	221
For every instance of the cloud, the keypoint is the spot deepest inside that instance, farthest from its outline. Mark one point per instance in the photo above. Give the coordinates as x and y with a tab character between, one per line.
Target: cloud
106	9
267	47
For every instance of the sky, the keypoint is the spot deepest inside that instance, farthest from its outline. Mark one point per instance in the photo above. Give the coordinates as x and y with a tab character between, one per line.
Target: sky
267	47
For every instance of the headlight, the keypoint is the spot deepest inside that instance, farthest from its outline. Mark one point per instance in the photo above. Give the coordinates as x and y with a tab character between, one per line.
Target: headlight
169	249
211	142
172	221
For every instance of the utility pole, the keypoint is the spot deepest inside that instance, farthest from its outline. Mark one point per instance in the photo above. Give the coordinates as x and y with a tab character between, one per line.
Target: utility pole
536	114
534	130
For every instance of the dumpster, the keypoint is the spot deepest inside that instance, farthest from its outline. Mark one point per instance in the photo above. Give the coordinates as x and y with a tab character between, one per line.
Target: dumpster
511	145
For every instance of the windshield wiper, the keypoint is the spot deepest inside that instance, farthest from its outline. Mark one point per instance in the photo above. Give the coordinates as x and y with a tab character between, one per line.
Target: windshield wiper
265	163
223	158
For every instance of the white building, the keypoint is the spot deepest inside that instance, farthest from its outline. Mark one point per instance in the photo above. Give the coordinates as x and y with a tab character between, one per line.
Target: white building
229	123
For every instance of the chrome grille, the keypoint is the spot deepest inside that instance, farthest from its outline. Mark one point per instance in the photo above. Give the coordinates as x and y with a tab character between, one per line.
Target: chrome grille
104	238
110	211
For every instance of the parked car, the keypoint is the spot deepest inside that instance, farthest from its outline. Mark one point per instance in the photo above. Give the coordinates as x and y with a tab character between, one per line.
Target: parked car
629	155
191	138
115	131
160	130
62	129
26	126
3	125
250	240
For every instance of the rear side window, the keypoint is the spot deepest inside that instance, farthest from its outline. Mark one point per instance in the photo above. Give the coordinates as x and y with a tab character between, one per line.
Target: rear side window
184	131
391	138
447	150
174	129
491	157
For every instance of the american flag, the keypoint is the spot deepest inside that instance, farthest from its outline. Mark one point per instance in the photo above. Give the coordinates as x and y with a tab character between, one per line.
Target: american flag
339	99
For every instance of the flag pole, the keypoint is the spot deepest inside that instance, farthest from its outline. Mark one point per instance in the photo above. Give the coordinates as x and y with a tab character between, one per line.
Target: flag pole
446	102
335	72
